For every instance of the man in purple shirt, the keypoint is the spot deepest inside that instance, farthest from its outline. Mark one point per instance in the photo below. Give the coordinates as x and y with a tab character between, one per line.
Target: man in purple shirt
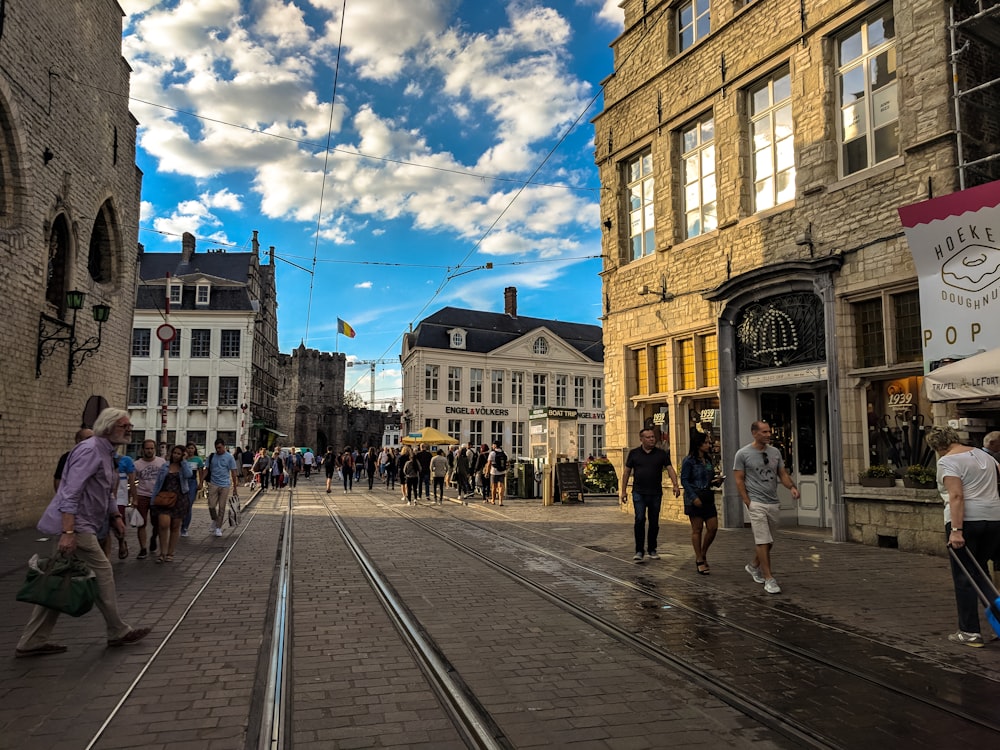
85	500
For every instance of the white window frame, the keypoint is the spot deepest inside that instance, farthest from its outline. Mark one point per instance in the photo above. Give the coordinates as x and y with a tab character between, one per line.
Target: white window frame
772	139
431	375
476	385
698	172
455	384
176	293
877	109
641	214
202	294
699	24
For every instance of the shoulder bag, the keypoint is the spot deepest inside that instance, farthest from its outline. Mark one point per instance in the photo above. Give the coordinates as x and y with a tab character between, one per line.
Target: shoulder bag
64	584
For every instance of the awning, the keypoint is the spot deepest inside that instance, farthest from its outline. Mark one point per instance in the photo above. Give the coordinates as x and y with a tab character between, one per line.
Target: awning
977	376
430	436
274	432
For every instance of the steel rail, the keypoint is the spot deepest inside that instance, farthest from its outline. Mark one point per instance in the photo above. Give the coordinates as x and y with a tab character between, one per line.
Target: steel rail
476	727
166	639
272	724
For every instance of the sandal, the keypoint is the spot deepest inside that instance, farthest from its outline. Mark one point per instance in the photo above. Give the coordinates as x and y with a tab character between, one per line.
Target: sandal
703	567
168	558
122	548
161	559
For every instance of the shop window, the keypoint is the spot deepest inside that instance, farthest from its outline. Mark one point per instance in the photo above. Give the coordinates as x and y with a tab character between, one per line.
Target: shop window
642	372
661	363
697	362
897	415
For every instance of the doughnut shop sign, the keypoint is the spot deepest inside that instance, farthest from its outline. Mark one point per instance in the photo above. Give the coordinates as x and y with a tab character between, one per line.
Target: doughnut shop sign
955	242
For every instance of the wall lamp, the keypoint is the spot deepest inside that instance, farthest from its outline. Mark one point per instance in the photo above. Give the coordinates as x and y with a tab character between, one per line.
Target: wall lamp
660	290
52	332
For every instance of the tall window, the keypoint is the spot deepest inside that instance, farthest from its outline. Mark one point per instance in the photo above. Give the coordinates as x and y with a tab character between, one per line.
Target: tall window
140	342
581	441
709	344
598	440
579	390
773	142
455	384
455	428
476	431
475	385
597	393
201	342
229	391
869	98
138	390
693	23
642	371
517	439
431	382
197	391
517	389
685	365
562	390
662	365
175	344
172	387
496	432
538	396
698	362
202	294
698	157
230	346
496	386
641	218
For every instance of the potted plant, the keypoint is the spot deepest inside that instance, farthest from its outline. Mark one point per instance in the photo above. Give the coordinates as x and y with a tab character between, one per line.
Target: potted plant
877	475
920	477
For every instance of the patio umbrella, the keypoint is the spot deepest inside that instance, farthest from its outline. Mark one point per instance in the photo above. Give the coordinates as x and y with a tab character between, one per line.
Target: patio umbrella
430	436
977	376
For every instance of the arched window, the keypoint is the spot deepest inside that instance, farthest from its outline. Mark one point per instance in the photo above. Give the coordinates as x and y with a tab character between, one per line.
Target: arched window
101	256
55	277
8	167
541	346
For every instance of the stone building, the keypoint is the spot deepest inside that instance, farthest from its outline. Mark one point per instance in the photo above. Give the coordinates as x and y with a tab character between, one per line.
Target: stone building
477	376
312	409
753	156
221	364
69	213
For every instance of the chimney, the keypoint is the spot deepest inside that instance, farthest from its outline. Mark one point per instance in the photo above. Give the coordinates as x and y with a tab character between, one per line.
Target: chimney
510	301
187	246
255	244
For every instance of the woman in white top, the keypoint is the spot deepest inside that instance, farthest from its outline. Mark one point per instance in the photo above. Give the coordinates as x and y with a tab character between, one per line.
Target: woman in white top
967	480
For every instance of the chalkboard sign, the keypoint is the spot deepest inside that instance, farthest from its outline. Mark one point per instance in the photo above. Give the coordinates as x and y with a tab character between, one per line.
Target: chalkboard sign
569	484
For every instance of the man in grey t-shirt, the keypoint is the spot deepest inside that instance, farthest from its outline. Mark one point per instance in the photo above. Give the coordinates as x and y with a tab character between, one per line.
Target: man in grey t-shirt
757	469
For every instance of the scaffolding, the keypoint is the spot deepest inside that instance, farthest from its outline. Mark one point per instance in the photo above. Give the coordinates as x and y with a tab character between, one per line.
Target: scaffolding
975	65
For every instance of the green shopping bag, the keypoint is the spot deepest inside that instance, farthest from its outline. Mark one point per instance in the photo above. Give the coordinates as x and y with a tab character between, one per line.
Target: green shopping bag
60	583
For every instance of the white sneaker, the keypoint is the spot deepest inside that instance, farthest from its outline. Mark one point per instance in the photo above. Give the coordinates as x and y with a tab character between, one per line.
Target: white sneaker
184	532
755	573
771	586
967	639
637	557
218	531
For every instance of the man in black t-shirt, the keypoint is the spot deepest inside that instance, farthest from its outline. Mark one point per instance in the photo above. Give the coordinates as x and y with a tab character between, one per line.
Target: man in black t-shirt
82	434
647	463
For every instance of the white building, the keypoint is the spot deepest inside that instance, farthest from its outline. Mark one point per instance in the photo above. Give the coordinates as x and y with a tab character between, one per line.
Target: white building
222	357
476	376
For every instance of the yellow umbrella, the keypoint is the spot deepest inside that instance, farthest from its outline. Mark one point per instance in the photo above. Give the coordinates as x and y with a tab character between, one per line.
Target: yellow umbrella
430	436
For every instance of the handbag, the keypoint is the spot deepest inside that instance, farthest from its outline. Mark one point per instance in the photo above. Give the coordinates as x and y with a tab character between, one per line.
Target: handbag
165	499
60	583
133	517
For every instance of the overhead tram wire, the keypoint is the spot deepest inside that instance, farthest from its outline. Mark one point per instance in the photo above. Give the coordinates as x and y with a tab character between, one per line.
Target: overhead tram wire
326	170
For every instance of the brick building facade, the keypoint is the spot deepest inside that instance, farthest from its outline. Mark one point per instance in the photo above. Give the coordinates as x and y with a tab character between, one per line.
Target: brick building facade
69	215
753	157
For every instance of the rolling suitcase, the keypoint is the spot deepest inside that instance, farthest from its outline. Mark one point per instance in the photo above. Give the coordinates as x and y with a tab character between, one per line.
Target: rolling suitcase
992	605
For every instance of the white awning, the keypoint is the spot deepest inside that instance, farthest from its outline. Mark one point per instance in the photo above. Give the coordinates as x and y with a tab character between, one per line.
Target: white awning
977	376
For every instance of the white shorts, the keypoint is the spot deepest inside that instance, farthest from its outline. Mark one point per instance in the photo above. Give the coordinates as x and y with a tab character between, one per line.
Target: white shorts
764	518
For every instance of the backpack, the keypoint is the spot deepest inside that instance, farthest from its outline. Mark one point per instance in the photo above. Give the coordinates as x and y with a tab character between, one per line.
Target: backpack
500	461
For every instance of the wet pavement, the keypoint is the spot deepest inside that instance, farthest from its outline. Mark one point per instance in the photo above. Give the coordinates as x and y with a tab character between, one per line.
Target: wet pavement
884	613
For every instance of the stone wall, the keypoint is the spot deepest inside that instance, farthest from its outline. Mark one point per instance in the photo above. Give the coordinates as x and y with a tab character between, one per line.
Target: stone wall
909	519
68	148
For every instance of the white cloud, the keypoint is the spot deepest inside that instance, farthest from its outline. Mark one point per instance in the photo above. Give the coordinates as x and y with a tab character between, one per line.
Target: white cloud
363	285
608	11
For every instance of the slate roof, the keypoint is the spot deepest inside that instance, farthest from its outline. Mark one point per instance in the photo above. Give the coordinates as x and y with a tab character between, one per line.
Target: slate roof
228	273
488	331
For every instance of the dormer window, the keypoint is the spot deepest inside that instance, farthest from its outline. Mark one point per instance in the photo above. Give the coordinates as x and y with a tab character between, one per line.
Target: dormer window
456	338
202	294
176	290
541	346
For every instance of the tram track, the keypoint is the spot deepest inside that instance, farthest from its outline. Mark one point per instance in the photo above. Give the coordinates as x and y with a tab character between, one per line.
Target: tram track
810	660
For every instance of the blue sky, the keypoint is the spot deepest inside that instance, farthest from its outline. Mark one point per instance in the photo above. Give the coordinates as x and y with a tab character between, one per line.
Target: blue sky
442	112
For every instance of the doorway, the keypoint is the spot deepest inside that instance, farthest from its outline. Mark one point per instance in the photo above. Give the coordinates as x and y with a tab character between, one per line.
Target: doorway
799	428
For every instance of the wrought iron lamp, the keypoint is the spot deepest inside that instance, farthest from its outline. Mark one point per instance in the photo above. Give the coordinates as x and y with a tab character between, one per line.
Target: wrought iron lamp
52	332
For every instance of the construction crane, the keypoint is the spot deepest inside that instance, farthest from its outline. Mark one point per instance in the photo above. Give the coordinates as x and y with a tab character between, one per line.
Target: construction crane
372	363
